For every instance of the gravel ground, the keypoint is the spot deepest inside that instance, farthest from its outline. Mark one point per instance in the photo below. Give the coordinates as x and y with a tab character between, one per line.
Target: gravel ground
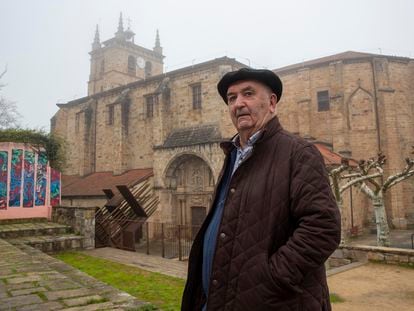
374	287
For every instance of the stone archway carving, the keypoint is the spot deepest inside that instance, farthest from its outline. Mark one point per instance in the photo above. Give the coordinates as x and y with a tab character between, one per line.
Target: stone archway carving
189	180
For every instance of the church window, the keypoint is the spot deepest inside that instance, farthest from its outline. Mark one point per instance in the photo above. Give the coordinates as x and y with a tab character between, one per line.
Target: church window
111	110
323	100
131	65
196	89
149	102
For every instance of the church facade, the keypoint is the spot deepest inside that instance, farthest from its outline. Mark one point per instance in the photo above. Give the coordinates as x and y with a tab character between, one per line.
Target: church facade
361	104
136	116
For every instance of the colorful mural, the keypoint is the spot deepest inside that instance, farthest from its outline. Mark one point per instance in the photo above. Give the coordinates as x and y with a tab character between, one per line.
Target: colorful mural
41	179
16	177
28	178
54	187
29	187
3	179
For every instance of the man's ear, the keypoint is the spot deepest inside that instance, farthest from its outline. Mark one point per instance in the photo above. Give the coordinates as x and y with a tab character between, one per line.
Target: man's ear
273	102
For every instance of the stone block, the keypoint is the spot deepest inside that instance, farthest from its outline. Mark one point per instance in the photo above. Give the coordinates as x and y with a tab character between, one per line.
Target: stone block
93	307
70	293
47	306
376	256
20	292
87	300
18	280
391	258
13	302
338	253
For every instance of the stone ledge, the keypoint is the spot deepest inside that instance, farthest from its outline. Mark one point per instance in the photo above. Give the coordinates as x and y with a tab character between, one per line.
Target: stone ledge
386	255
75	207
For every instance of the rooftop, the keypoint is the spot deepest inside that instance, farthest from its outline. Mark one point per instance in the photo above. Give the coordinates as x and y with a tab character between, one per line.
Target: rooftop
93	184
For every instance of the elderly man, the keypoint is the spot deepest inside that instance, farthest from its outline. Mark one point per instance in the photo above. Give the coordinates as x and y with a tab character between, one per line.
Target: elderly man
273	222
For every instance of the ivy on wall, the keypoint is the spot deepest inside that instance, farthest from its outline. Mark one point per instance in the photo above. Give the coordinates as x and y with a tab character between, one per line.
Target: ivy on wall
38	139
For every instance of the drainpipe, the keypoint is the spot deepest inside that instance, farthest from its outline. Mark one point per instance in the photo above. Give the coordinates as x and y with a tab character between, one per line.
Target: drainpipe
377	123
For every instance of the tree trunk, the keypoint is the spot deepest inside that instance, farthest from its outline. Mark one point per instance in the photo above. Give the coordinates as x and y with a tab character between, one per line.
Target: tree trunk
383	231
343	222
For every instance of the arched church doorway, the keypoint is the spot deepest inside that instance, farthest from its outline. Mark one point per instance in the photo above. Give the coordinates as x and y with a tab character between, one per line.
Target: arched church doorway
189	180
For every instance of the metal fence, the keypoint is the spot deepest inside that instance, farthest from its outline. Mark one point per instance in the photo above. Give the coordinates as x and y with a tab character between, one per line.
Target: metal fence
161	239
166	240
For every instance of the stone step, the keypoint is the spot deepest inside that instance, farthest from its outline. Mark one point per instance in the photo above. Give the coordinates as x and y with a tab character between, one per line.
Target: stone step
22	220
50	243
16	230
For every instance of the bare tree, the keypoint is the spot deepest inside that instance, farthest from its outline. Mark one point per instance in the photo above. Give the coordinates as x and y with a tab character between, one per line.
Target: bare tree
9	116
337	176
375	190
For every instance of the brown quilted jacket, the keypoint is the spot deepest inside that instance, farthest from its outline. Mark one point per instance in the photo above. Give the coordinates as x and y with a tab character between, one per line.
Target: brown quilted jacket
280	223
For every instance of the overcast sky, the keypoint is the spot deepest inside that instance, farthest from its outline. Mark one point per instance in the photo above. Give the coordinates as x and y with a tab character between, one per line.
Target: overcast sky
45	43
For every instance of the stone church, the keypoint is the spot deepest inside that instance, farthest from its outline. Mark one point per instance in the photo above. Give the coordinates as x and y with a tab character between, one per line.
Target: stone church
141	123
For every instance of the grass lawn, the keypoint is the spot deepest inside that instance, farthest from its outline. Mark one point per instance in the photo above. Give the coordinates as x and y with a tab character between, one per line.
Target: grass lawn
160	290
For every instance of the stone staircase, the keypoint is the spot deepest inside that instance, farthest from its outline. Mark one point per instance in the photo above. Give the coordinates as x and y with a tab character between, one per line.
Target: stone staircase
41	234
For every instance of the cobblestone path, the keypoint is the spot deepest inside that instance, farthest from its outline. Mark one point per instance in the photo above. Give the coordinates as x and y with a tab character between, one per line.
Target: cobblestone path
31	280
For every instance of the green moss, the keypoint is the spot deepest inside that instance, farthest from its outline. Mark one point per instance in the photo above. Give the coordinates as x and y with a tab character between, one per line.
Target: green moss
93	301
334	298
41	295
52	144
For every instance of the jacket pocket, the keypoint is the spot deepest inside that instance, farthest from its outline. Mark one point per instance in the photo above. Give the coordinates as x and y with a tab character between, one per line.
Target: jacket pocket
257	290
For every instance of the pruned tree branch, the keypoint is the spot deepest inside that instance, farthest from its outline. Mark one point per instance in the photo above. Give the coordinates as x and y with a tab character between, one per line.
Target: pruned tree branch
399	179
358	180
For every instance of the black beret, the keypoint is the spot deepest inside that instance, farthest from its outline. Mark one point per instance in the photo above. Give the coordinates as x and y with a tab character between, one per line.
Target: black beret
264	76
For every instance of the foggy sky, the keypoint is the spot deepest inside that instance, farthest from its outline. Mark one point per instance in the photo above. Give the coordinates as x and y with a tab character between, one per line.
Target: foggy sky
45	43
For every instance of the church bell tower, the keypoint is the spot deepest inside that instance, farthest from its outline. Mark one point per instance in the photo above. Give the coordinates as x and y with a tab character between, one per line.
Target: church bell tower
119	61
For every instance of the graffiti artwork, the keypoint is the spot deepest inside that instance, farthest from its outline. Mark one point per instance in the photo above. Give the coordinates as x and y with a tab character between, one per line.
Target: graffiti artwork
3	179
54	187
16	177
28	178
41	179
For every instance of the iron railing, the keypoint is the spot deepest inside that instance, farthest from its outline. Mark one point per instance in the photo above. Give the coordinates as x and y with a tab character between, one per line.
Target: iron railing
161	239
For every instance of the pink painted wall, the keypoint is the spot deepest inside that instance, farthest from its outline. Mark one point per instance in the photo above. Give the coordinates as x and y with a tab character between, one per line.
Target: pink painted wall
25	182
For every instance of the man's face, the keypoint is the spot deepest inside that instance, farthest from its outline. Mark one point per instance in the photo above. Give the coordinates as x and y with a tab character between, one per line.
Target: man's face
251	105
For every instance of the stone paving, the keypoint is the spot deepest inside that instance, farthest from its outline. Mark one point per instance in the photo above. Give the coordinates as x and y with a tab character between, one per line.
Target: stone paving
31	280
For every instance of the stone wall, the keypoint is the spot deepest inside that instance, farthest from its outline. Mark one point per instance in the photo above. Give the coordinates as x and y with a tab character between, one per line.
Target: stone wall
97	142
375	253
81	219
371	110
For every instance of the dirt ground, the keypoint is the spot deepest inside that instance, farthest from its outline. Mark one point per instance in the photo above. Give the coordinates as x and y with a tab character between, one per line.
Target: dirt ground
374	287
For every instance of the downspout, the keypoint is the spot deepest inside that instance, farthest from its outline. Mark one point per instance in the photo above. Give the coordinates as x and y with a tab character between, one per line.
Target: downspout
95	134
377	123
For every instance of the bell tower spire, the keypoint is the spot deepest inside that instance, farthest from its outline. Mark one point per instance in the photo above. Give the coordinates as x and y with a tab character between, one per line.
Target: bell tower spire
96	41
120	31
157	48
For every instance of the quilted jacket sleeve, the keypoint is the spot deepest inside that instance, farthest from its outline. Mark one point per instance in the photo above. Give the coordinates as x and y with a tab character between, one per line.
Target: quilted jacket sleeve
317	222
